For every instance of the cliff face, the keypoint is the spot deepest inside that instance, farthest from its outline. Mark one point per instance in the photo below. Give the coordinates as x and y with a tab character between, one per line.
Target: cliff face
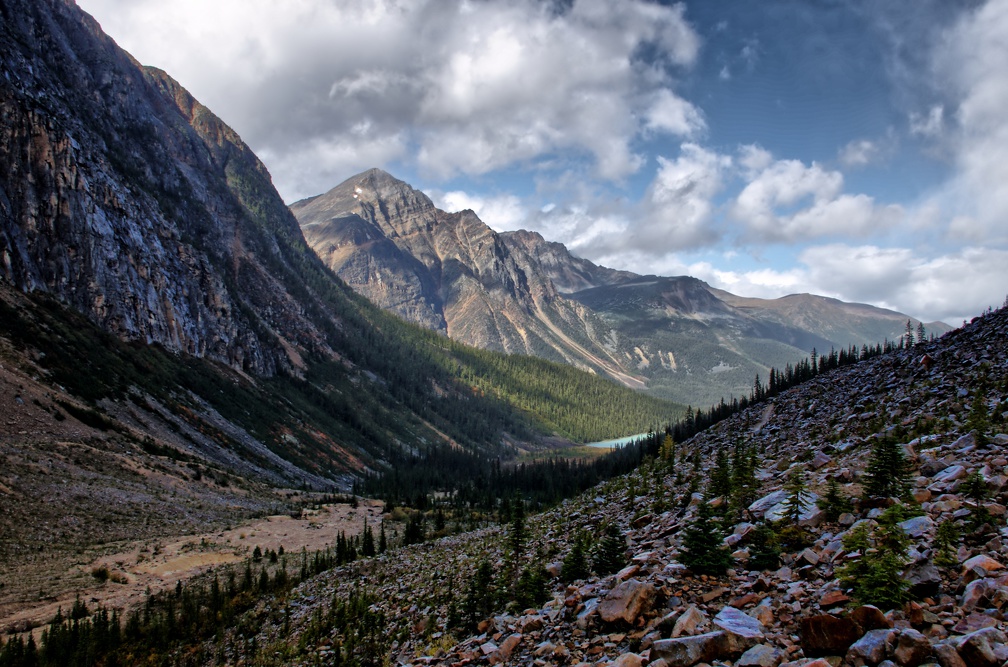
448	271
567	272
113	199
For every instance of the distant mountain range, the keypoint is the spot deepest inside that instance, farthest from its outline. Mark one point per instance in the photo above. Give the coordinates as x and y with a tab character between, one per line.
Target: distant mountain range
675	337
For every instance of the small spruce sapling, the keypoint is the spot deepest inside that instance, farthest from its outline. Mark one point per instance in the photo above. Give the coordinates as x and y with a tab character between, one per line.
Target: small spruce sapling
976	490
979	417
888	472
834	503
704	551
479	597
575	563
946	538
610	555
876	576
764	548
798	497
531	590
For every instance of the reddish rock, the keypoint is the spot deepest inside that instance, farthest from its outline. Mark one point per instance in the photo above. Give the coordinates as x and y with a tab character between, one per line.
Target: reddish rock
948	657
689	622
833	599
925	580
627	601
973	594
745	600
984	562
825	634
760	655
627	660
743	630
973	622
977	648
713	594
627	572
869	617
763	584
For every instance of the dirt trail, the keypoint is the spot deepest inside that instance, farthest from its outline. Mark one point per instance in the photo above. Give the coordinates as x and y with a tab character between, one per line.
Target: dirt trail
158	565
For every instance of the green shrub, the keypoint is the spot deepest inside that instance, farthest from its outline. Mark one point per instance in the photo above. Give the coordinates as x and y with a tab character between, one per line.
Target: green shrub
704	552
610	555
764	548
888	472
833	503
876	576
575	563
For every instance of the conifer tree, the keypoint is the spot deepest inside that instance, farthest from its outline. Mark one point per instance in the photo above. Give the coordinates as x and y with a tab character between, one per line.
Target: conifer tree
887	472
516	542
531	589
946	538
833	503
743	478
575	563
610	554
797	500
704	552
721	478
876	577
415	532
367	542
478	603
382	541
668	451
978	418
764	548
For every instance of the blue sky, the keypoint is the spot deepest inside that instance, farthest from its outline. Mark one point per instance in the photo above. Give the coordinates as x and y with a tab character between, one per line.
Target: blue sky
851	149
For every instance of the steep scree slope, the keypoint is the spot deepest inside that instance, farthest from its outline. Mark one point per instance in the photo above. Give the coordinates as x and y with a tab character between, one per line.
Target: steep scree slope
655	611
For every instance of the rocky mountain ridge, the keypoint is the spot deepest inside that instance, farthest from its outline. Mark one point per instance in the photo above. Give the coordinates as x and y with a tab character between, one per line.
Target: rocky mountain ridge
114	200
797	613
675	337
449	272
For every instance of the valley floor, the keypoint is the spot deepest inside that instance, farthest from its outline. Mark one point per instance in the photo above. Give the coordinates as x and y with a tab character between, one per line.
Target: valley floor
132	570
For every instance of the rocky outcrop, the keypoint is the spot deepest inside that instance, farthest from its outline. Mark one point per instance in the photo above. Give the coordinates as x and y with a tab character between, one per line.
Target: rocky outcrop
126	199
567	272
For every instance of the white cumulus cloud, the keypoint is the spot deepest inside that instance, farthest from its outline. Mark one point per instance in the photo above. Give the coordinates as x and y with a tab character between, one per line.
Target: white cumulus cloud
458	87
787	201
